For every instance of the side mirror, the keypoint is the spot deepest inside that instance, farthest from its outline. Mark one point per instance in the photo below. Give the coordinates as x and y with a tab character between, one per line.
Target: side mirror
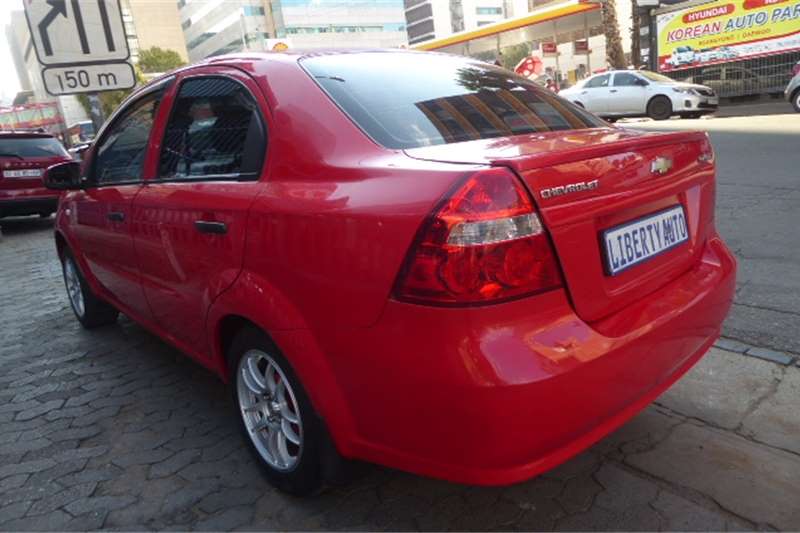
63	176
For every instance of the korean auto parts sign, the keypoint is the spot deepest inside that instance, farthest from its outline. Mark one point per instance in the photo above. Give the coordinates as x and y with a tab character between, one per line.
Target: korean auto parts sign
726	30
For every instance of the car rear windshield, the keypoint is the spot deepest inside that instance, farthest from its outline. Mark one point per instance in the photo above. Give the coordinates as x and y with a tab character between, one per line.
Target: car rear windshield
24	147
406	100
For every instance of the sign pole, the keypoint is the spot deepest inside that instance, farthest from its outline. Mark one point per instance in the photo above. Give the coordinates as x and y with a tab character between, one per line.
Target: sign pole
96	111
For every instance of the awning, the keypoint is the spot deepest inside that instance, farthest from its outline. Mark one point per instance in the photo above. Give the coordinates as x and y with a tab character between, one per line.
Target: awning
516	29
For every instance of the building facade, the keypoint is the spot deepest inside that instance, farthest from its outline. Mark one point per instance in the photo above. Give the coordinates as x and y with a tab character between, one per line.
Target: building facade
148	23
215	27
433	19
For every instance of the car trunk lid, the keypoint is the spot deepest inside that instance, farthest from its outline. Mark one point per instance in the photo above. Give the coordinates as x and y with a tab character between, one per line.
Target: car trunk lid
589	181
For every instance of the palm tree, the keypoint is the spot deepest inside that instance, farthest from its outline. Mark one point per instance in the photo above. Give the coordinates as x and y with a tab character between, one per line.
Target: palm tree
615	57
636	41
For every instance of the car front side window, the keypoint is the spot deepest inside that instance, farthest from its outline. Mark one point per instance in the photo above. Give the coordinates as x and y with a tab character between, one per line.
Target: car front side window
215	131
120	153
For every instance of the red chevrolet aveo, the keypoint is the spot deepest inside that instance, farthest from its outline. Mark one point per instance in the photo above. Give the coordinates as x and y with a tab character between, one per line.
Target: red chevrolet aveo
413	259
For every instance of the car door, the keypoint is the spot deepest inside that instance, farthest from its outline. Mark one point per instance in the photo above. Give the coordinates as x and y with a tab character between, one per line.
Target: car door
627	95
190	219
594	94
101	211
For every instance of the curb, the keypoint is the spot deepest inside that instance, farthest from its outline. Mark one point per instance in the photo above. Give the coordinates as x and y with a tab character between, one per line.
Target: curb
773	356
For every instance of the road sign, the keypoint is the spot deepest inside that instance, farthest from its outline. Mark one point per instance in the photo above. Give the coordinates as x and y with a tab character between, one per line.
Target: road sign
81	43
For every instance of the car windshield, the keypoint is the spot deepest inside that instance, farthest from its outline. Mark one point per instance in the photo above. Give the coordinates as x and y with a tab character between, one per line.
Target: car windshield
407	100
24	147
652	76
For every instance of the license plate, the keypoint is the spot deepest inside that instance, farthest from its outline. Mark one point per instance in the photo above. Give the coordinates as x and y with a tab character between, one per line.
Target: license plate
632	243
25	173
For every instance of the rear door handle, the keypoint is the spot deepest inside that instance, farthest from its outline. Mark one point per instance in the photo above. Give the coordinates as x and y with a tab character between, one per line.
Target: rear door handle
116	216
612	91
205	226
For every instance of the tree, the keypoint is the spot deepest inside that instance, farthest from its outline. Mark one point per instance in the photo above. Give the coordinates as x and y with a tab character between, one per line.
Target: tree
615	57
155	59
636	42
110	100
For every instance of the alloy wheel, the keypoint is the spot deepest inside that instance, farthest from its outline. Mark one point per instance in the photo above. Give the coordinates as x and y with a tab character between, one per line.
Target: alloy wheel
269	410
74	290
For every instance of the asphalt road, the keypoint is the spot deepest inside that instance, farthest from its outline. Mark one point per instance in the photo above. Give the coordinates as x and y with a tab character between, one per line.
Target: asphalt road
758	214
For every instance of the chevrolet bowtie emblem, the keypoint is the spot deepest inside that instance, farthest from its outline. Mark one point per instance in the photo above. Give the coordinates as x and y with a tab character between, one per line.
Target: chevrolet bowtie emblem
661	165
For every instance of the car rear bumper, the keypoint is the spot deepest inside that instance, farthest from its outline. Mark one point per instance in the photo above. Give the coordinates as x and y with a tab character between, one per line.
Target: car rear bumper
498	394
31	203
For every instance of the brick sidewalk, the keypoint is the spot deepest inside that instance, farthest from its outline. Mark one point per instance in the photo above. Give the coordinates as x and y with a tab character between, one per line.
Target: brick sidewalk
113	429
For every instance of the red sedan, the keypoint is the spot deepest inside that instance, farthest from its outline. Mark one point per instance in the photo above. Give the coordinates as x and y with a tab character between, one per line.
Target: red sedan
24	156
451	271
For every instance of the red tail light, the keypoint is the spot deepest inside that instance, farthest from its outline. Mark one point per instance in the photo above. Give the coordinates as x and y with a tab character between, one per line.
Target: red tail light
483	244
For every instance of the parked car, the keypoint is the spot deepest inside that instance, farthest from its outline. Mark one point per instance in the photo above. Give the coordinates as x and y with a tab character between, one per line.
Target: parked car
469	278
796	69
638	93
24	155
792	92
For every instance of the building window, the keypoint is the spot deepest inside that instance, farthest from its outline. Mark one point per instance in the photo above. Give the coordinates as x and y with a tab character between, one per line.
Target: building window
253	11
489	11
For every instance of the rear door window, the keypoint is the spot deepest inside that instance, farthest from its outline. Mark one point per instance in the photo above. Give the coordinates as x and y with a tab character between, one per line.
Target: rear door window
438	99
215	131
27	147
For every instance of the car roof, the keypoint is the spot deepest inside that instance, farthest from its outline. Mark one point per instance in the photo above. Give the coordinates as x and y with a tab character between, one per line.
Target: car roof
24	134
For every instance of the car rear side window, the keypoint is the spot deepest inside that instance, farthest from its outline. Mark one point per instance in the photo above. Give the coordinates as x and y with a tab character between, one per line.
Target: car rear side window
215	131
597	81
27	147
121	151
407	100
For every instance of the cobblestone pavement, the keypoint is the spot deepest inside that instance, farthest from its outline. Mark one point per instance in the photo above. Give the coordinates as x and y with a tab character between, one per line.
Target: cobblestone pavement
114	429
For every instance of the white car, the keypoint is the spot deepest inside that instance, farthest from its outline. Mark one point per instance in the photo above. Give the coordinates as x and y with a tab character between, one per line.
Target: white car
641	93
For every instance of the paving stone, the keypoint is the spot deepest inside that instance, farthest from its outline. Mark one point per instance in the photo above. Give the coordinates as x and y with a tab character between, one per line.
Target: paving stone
756	482
54	521
226	520
776	420
26	467
681	514
13	511
173	464
24	445
38	410
51	502
146	457
731	345
771	355
98	503
228	498
723	388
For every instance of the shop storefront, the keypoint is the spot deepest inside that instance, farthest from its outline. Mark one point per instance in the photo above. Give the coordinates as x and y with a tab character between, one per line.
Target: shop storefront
738	47
565	36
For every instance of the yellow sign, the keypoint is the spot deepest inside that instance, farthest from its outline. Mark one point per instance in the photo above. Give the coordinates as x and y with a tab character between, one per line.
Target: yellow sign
727	30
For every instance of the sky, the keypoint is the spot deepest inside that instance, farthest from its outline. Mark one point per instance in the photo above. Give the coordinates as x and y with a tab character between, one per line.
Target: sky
8	76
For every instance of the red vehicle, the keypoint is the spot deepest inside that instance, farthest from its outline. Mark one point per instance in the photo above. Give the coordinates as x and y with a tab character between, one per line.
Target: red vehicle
24	156
468	278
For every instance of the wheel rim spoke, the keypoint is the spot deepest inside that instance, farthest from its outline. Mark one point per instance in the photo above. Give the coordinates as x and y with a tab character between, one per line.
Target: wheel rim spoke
289	432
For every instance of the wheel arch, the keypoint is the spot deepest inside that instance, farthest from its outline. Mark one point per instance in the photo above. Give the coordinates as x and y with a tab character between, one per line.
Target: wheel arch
282	325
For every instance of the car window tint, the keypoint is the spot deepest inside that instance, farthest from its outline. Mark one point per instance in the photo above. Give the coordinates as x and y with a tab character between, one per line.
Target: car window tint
460	100
624	79
214	130
120	153
599	81
24	147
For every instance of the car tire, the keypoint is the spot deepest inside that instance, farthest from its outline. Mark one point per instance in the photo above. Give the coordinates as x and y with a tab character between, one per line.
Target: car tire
796	100
659	108
90	310
283	431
